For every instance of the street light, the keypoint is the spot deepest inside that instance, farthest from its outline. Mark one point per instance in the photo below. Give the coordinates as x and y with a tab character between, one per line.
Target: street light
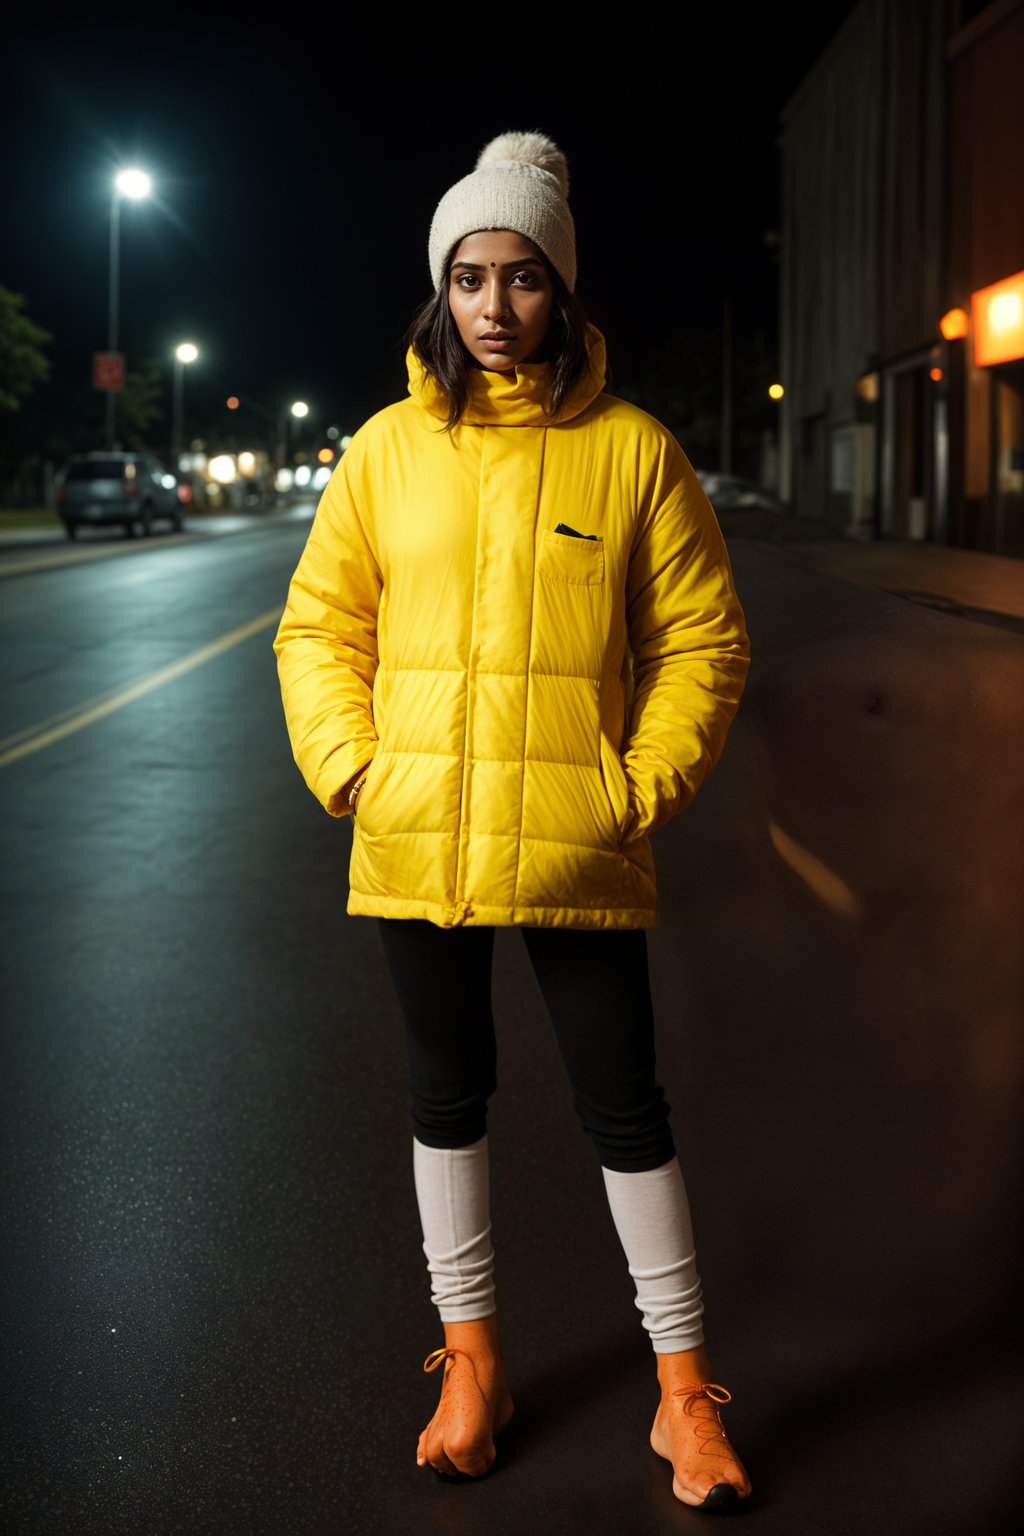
771	471
298	409
185	353
131	183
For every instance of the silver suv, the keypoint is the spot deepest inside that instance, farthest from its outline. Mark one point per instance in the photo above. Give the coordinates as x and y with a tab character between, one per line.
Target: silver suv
133	489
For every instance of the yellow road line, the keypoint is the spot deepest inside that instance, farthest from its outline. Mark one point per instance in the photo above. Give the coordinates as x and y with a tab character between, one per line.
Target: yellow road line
24	743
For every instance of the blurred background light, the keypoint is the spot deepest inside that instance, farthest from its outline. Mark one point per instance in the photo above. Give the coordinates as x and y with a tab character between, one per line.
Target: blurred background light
1004	312
997	313
953	324
134	183
222	469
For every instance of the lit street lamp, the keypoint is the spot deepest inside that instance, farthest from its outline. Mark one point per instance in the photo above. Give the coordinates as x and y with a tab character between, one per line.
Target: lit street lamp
771	473
134	184
298	409
185	353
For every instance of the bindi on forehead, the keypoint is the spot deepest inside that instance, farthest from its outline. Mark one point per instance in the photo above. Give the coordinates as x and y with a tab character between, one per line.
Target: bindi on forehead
494	263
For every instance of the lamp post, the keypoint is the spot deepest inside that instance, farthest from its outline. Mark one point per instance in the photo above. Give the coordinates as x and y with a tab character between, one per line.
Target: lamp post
773	481
183	354
134	184
298	409
279	420
725	437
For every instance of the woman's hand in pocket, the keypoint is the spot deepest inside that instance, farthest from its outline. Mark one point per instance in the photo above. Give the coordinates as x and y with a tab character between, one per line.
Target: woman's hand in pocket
348	788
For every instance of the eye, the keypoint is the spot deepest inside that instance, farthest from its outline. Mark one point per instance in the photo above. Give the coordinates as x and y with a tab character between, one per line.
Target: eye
466	280
525	279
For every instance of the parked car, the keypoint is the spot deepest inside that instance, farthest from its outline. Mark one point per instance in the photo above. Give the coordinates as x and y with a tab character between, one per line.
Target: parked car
133	489
730	493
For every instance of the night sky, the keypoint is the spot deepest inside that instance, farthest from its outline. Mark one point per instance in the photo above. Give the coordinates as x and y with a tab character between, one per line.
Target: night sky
296	169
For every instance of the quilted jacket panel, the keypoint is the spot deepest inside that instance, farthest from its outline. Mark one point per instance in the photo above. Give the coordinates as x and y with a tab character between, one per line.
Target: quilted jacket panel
532	705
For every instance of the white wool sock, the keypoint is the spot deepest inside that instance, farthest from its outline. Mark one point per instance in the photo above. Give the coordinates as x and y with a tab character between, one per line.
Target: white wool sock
652	1217
453	1193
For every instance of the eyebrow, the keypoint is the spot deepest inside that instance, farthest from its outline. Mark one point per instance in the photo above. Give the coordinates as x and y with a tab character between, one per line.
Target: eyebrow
481	266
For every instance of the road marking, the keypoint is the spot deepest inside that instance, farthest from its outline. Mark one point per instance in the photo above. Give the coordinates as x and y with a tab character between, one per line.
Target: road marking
23	743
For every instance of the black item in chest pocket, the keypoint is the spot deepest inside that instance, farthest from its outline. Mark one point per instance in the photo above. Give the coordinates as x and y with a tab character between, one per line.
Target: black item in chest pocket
564	528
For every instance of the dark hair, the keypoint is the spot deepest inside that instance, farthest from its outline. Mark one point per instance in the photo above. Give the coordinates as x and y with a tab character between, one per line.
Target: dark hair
434	337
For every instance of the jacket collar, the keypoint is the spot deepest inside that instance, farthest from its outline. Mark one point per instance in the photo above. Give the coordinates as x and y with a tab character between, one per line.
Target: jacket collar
513	399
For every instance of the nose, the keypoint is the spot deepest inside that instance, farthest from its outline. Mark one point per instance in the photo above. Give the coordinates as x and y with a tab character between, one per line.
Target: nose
495	299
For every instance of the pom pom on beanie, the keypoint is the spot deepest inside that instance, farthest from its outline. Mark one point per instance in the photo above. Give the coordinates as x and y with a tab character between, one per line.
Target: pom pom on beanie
521	182
529	149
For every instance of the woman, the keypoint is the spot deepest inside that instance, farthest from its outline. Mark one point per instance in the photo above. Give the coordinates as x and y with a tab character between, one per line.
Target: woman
512	650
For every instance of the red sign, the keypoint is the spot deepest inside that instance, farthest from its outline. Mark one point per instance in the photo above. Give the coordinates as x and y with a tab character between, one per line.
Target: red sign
108	370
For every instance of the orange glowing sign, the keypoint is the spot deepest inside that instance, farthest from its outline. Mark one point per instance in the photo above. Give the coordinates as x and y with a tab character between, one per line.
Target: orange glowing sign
953	324
935	374
997	315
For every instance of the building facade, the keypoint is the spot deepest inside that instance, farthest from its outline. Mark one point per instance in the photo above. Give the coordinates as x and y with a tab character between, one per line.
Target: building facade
902	276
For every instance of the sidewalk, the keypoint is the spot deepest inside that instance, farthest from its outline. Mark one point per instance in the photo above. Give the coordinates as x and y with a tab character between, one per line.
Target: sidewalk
987	589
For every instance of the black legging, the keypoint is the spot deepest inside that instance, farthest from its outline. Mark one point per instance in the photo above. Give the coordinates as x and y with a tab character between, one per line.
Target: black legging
597	991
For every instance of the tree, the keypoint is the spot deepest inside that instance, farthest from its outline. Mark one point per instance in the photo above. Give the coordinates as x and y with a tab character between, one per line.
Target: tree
22	363
139	404
681	384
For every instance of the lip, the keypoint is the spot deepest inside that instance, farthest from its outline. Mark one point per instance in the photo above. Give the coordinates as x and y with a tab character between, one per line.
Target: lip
497	343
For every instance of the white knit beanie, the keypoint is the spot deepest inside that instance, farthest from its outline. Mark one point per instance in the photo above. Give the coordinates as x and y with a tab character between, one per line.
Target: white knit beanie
521	182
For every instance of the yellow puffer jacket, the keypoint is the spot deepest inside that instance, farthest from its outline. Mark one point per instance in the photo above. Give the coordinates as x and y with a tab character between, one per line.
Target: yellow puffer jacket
534	703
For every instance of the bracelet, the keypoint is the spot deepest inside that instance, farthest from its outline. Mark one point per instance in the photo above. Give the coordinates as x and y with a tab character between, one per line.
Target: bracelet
353	794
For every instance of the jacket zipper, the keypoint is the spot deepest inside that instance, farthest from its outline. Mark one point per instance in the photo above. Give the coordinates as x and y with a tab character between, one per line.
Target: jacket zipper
459	906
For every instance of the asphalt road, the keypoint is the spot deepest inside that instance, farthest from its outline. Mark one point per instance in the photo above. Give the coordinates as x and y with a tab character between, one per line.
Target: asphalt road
216	1307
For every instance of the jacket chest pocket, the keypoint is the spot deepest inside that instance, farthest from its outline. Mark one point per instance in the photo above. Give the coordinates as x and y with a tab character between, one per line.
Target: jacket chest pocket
562	557
570	603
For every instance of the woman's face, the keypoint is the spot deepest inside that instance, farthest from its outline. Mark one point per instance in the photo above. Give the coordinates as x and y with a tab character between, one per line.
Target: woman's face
501	297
